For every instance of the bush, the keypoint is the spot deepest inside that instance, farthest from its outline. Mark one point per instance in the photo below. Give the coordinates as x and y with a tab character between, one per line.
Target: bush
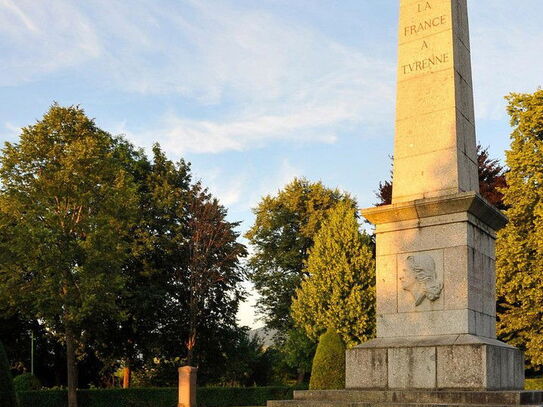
43	398
534	384
156	397
26	382
328	370
7	392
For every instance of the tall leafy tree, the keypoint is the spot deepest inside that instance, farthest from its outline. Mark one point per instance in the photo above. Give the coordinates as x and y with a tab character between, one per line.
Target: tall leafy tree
66	207
157	251
339	291
282	235
214	274
520	243
183	276
491	181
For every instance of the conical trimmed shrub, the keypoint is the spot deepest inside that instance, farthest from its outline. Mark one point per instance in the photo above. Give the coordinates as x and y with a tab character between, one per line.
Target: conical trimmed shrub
7	392
328	372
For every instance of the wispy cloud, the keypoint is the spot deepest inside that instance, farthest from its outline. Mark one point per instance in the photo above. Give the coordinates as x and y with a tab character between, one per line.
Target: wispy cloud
9	132
273	80
258	78
43	37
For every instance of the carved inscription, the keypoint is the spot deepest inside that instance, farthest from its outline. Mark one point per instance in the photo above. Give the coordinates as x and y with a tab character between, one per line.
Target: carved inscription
426	63
427	24
420	278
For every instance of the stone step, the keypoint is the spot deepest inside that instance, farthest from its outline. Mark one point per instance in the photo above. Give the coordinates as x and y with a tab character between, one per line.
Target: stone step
514	398
336	403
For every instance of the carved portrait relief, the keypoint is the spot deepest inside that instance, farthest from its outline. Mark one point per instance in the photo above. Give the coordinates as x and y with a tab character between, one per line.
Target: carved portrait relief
421	279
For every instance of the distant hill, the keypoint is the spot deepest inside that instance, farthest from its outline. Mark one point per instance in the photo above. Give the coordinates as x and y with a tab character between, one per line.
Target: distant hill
265	335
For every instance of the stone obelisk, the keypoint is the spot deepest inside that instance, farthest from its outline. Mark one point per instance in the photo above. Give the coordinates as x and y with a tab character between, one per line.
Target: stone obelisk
436	301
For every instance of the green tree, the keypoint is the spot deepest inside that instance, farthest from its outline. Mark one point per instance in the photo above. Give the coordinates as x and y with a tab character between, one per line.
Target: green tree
520	243
281	237
328	372
298	351
339	291
213	275
182	279
157	250
66	209
7	391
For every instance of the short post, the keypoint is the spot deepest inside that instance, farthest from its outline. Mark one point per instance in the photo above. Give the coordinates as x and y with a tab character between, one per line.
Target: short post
187	386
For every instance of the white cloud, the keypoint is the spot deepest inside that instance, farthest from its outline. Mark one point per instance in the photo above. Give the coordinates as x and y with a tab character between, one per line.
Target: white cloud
229	190
261	78
272	79
11	132
43	37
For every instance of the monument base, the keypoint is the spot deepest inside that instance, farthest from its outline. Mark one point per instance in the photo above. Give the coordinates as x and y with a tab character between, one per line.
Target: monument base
465	362
410	398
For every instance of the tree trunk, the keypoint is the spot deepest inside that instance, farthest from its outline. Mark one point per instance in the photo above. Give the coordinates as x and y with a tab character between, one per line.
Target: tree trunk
301	376
71	368
127	375
191	343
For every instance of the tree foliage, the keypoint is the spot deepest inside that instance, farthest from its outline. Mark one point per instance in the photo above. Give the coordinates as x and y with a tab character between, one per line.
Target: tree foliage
183	278
520	243
339	291
492	180
298	351
328	372
122	259
281	237
66	206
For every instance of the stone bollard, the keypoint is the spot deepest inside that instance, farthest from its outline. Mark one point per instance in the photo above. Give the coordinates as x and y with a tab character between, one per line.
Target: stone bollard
187	386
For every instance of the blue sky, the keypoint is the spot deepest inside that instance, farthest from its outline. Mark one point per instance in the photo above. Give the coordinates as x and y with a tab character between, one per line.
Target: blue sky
253	93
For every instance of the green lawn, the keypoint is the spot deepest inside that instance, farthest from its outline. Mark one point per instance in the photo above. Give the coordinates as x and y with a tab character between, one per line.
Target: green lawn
534	384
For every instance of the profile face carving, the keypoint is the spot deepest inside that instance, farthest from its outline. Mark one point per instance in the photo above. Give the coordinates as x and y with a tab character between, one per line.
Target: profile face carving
420	278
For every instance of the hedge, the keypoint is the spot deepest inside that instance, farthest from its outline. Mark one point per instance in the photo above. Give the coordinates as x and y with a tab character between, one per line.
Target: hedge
26	382
534	383
328	371
156	397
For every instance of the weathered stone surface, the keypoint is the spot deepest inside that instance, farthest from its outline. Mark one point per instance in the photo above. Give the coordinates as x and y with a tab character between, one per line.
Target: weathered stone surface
387	283
419	210
412	368
439	362
434	96
412	397
461	366
366	368
445	322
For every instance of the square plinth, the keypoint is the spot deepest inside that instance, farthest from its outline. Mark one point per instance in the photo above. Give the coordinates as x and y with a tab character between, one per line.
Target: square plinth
449	362
436	267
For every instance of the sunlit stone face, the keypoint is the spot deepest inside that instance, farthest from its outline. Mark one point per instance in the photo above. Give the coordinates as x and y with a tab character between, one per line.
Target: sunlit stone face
434	153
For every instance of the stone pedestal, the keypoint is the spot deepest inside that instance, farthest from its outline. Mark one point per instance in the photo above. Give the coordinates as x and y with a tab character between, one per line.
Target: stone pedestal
436	310
444	362
187	386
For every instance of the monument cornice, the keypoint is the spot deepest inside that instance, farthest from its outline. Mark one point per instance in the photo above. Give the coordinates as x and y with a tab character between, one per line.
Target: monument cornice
470	202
